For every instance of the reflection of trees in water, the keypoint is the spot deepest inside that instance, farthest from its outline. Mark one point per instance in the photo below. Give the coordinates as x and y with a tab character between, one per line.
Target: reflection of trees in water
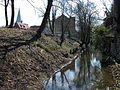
84	74
82	78
87	74
63	78
54	82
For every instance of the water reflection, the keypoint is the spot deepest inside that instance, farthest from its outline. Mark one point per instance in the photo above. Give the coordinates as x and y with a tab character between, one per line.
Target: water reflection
84	73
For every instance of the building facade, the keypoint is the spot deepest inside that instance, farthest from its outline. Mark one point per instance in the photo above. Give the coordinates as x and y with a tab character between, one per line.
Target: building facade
63	23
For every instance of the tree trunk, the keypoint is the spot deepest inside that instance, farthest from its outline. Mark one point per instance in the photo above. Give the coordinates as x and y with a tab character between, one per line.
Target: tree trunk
6	15
50	25
53	22
44	21
12	15
62	31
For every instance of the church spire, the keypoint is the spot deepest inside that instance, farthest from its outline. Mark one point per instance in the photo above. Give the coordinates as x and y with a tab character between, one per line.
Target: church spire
19	17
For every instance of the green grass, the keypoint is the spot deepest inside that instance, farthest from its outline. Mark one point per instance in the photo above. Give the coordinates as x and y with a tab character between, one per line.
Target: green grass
49	45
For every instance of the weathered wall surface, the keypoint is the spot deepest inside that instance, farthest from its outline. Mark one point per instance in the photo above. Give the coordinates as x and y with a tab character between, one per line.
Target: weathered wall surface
115	49
68	26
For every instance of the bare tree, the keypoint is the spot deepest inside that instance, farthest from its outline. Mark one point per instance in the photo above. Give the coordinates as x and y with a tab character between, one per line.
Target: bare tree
6	2
86	16
44	21
64	8
12	14
52	22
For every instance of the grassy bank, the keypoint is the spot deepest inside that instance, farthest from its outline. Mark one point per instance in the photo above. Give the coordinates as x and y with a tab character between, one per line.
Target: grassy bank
25	67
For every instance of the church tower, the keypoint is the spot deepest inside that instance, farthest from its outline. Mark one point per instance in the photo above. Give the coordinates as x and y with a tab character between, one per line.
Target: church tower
19	24
19	17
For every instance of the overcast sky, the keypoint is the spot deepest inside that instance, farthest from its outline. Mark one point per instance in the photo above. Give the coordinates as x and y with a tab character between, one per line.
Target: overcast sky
32	17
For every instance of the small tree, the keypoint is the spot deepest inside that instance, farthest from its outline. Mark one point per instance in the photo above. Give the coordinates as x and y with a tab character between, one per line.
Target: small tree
99	34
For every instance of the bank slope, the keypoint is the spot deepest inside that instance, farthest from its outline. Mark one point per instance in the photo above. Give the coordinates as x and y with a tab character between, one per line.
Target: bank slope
25	67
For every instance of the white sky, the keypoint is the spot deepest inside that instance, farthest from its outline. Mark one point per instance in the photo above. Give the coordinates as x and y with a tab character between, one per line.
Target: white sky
28	13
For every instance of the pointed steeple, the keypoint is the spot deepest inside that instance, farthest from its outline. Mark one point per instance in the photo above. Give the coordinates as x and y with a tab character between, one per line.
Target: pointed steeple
19	17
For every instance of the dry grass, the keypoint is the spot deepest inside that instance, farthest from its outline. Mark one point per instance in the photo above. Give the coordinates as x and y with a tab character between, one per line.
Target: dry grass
26	67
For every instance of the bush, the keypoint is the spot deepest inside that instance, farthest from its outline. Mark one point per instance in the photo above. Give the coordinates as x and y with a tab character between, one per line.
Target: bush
99	34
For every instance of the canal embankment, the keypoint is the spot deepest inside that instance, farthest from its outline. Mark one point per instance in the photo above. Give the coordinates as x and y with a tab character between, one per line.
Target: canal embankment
25	67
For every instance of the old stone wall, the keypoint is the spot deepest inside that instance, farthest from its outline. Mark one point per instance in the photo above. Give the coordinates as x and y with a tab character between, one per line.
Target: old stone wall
115	49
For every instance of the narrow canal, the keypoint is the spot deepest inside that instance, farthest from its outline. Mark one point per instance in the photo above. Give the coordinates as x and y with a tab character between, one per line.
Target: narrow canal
84	73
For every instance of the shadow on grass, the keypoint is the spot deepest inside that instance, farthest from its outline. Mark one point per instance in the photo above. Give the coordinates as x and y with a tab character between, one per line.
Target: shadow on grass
11	43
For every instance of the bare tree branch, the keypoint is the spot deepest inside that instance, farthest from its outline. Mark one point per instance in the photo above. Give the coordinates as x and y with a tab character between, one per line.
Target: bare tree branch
2	4
36	8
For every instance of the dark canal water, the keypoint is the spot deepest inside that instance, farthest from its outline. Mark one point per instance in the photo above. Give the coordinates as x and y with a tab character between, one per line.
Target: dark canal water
84	73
